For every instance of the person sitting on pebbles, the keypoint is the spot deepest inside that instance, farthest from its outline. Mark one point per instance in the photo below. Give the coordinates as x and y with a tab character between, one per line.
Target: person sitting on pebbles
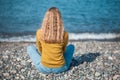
52	54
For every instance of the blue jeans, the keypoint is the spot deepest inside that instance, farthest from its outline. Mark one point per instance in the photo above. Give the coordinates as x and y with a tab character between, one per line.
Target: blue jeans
36	57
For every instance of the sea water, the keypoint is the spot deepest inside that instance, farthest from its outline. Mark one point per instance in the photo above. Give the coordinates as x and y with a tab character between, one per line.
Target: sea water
83	19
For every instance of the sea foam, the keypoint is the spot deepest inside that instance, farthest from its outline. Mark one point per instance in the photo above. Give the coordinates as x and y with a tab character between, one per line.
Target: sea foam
72	36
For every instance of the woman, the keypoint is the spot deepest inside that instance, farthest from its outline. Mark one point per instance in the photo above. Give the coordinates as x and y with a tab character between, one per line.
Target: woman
51	54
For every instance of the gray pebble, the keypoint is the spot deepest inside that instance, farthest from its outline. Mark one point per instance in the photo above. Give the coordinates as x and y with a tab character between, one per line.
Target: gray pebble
5	57
13	71
22	70
97	74
17	77
6	74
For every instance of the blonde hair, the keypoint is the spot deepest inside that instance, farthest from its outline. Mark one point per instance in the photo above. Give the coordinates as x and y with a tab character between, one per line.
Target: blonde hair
52	26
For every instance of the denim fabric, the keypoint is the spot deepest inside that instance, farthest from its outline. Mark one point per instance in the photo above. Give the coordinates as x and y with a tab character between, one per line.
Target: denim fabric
36	57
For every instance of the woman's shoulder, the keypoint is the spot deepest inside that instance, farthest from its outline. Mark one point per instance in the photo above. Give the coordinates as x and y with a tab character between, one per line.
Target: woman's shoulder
38	31
66	34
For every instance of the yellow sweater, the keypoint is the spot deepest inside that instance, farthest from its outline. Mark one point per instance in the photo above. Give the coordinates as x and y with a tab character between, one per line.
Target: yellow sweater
51	53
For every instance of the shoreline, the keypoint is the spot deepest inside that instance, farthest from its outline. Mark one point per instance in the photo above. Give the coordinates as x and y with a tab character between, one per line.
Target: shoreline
71	40
93	60
72	37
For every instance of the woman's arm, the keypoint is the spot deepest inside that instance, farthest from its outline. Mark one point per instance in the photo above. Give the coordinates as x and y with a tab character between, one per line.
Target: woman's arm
38	42
65	41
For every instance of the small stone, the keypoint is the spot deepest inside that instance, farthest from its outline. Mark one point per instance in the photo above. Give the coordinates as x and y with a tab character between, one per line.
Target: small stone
14	60
28	73
41	74
17	74
23	62
18	59
16	77
21	76
6	74
22	70
13	71
116	77
19	67
7	51
97	74
99	63
117	51
5	57
110	58
1	62
29	60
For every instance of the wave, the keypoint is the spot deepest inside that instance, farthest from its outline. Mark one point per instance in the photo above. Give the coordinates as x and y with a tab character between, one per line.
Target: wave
72	36
101	36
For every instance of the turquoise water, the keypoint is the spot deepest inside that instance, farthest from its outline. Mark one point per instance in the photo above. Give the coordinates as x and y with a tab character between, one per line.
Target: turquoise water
79	16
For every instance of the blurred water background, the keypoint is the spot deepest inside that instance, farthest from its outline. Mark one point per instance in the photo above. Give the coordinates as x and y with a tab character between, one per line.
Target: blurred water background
83	19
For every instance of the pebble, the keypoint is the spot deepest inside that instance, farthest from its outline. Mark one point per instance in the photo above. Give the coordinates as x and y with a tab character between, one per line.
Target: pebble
5	57
7	51
1	62
19	66
17	77
22	70
116	77
110	58
97	74
13	71
21	76
29	60
23	62
18	59
6	74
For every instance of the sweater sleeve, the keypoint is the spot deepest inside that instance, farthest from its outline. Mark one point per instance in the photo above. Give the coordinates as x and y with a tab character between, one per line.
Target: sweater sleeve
65	41
38	42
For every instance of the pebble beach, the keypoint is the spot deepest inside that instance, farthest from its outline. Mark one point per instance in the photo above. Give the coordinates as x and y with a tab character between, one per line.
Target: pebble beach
93	60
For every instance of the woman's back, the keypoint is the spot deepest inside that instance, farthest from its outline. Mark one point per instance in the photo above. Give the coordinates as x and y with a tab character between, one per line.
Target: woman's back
52	53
